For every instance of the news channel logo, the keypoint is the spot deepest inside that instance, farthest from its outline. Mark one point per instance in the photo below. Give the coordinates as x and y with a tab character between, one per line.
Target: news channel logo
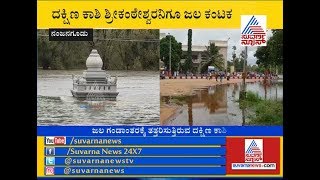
253	30
253	150
55	140
49	171
50	151
253	157
50	161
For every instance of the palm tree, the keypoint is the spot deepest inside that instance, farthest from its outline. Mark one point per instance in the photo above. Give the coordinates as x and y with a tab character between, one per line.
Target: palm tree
213	58
188	63
234	54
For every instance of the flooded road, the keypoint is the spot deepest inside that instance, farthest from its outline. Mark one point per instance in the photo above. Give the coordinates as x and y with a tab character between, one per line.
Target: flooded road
138	102
217	105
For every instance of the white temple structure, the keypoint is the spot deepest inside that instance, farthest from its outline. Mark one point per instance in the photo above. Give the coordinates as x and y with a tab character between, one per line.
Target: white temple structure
95	84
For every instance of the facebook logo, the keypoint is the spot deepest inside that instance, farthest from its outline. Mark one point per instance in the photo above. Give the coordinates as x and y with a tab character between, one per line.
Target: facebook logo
50	161
50	151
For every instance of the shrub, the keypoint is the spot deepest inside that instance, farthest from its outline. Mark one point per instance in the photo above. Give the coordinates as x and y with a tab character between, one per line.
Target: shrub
262	112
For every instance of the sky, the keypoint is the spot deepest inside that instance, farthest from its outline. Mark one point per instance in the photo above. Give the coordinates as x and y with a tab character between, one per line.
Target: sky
202	37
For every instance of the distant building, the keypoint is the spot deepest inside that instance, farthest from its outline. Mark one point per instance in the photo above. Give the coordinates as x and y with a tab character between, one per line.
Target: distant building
198	56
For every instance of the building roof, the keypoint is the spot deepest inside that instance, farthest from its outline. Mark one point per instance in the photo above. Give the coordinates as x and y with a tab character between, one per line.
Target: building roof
219	43
201	48
198	48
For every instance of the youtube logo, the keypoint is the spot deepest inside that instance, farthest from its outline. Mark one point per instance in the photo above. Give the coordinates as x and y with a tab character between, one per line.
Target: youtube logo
57	140
60	140
49	140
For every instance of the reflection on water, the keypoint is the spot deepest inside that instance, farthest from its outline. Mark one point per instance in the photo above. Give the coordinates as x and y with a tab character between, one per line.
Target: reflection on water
137	103
217	105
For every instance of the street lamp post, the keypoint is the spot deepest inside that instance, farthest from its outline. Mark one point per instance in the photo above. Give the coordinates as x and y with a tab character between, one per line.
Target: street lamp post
244	65
169	55
226	61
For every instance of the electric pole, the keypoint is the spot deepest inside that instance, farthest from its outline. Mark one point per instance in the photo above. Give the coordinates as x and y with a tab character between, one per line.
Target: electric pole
244	65
169	55
244	74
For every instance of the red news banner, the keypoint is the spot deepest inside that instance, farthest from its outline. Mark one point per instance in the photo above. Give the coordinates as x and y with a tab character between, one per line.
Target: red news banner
256	156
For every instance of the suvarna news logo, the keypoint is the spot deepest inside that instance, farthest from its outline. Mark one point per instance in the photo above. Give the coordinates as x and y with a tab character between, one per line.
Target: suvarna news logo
253	157
253	30
253	150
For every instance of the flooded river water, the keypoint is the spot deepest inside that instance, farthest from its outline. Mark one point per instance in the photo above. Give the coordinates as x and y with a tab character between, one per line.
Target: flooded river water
138	102
217	105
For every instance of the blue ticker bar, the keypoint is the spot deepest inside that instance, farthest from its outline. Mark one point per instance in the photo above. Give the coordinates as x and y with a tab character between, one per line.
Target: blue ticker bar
139	171
140	151
82	141
160	131
128	161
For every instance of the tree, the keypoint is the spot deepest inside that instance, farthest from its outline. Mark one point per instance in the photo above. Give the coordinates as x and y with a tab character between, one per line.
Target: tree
188	62
213	58
234	53
275	44
105	46
237	64
229	64
272	54
262	55
126	50
254	68
238	61
176	52
243	60
115	47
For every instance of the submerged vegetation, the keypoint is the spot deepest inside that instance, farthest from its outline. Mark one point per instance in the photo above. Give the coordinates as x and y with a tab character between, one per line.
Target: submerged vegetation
262	112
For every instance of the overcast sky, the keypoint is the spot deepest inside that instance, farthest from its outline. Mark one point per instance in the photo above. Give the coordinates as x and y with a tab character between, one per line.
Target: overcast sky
202	37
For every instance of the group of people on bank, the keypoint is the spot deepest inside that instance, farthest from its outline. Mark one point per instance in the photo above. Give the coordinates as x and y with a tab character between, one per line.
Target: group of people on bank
220	75
239	75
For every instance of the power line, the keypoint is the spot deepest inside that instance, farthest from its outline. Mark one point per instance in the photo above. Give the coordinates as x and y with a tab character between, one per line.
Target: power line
116	39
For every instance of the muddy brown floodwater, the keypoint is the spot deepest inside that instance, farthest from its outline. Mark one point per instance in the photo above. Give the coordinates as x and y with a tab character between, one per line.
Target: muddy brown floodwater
215	105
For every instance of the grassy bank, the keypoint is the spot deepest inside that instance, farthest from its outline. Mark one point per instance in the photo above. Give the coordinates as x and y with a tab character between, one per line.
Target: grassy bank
262	112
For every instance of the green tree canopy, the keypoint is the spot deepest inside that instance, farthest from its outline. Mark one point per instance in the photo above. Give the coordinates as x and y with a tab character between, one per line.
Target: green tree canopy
262	55
176	52
272	54
188	62
119	50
